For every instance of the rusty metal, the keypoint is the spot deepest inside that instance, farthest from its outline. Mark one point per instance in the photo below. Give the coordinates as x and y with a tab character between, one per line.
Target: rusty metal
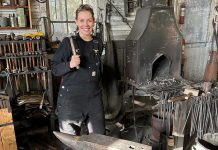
210	74
158	127
211	69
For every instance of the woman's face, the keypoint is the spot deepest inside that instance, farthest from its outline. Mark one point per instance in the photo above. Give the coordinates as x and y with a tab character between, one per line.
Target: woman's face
85	23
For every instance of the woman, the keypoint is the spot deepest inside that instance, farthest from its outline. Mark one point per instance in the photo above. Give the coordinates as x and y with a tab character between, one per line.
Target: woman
79	98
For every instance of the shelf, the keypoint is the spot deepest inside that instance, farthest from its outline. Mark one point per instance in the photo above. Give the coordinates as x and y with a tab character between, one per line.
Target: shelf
27	14
17	28
24	72
20	41
12	7
31	72
23	56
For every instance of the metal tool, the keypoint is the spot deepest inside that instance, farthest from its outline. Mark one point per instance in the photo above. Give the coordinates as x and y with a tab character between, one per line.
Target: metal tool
7	61
21	57
29	53
73	48
98	142
25	52
33	53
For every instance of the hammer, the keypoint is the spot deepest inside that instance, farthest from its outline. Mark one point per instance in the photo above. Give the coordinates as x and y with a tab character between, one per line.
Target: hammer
25	54
26	61
7	61
29	52
15	66
27	83
22	59
33	53
44	68
14	60
8	54
18	58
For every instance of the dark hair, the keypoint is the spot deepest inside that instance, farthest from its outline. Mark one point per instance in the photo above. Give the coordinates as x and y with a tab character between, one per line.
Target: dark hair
84	7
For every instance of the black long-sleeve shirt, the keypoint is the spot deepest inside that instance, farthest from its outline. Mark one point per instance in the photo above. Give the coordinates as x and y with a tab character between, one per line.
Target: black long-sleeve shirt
89	70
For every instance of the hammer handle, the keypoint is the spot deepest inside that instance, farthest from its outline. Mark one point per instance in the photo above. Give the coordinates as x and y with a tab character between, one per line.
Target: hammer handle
73	48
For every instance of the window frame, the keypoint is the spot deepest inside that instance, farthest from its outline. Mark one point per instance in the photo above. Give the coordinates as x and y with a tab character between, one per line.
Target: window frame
67	22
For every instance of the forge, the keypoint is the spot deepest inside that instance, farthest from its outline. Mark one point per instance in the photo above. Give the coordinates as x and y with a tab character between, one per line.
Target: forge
153	47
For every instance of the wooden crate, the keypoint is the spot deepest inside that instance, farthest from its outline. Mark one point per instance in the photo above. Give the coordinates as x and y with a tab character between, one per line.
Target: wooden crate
7	134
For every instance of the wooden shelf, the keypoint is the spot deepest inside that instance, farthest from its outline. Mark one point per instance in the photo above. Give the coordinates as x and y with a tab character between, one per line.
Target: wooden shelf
29	19
12	7
16	28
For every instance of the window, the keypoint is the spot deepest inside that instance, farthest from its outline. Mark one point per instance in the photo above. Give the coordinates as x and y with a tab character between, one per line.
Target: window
62	15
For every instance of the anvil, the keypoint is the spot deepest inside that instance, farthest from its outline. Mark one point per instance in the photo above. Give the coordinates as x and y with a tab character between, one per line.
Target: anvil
98	142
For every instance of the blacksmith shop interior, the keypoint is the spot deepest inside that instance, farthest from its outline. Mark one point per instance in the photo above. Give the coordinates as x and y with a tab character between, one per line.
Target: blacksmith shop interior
152	84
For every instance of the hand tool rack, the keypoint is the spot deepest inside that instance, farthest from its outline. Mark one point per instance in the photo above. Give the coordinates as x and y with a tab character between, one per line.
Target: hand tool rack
25	72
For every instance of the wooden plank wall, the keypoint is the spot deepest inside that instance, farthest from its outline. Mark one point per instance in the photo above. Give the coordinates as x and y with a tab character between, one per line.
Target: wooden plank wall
7	134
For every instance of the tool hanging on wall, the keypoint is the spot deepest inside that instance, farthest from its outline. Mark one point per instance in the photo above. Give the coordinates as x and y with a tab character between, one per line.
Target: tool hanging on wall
38	52
24	58
21	54
29	53
44	68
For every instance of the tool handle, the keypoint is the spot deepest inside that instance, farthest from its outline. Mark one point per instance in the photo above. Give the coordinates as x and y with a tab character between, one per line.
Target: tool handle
73	49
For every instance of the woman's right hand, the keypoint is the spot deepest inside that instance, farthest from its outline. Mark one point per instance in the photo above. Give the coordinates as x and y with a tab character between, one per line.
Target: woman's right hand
75	61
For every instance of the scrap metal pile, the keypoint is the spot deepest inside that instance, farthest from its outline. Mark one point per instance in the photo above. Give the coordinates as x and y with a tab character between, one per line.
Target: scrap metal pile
177	107
169	86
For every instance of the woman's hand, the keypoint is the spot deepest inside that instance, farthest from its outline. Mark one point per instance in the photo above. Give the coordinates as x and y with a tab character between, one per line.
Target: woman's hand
75	61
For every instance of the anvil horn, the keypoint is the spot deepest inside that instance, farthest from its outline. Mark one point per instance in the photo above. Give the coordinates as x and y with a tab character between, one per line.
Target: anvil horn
67	139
